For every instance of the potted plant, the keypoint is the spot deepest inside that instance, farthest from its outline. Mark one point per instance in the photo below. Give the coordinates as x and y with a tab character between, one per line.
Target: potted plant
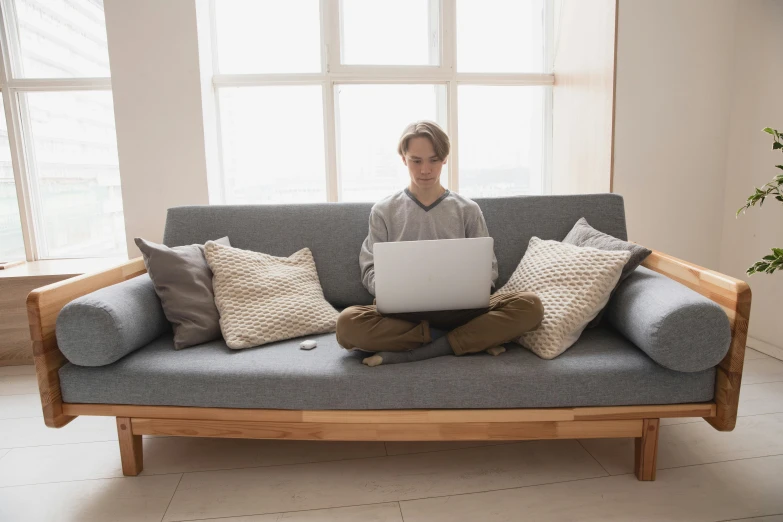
774	188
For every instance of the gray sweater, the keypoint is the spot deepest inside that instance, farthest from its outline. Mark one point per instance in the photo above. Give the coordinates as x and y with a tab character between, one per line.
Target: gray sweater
401	217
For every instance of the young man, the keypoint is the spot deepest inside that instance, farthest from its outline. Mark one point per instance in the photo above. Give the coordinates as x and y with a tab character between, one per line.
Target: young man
426	210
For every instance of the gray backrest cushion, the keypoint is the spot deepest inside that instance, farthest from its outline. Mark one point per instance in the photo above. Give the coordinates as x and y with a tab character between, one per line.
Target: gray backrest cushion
334	232
104	326
678	328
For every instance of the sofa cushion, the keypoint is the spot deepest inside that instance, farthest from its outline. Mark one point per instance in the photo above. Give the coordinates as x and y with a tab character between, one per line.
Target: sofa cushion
677	327
183	283
601	369
103	326
334	232
586	236
263	298
573	284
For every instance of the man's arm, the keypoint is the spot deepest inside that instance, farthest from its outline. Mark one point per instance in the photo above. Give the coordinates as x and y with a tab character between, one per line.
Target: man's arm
477	227
378	234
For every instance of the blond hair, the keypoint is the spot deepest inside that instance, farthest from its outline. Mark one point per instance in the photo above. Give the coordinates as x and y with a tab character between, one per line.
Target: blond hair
427	129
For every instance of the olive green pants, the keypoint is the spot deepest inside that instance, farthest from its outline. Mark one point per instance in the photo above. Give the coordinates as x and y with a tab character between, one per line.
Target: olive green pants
507	317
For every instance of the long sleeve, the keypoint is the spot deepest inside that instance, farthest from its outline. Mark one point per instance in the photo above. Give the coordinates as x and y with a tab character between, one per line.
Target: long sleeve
477	227
378	234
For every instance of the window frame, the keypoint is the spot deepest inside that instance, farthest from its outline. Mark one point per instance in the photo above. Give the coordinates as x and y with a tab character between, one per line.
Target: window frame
19	126
334	73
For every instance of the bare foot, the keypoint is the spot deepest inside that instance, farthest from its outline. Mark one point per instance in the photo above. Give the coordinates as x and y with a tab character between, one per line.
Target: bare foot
374	360
496	350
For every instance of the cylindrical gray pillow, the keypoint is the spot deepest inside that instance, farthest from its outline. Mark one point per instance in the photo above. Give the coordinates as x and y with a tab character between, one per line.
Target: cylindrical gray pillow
104	326
677	327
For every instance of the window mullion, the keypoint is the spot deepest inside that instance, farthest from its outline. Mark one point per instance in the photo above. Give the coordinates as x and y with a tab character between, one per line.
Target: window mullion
15	141
332	29
330	142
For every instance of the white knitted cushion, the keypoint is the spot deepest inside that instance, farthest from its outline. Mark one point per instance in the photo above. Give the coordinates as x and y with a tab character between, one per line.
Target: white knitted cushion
573	283
263	299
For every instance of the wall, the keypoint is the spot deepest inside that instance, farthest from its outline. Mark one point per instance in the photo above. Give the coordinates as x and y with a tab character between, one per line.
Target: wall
156	82
757	103
674	65
584	58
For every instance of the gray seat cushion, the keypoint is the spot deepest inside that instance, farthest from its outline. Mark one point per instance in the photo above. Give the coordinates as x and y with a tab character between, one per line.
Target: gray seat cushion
334	232
679	328
103	326
602	369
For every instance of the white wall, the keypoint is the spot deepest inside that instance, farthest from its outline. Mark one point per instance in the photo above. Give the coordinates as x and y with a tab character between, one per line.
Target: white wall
757	103
674	65
156	82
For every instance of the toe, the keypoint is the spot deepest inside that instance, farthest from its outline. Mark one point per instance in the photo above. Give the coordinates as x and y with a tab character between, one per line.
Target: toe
375	360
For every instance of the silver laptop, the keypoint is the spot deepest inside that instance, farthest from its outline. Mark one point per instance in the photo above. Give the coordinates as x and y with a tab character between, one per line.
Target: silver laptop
425	276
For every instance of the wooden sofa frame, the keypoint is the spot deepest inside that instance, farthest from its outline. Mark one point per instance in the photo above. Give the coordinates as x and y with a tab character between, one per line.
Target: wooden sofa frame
640	422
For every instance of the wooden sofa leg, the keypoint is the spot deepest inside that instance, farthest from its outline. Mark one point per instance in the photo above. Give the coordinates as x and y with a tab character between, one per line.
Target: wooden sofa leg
131	452
646	454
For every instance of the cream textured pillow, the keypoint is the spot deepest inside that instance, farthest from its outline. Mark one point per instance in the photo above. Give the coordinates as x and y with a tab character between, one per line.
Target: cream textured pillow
263	299
573	283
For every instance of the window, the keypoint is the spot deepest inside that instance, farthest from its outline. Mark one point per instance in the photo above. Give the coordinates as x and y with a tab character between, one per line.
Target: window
312	95
59	132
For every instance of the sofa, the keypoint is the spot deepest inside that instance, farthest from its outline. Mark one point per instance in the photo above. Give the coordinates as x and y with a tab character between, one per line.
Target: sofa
671	344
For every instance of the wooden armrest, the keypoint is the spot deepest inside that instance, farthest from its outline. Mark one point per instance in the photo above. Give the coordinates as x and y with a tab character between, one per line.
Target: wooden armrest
733	295
43	306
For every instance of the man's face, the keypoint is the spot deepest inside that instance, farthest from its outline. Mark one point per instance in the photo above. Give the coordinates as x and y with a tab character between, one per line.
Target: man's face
423	165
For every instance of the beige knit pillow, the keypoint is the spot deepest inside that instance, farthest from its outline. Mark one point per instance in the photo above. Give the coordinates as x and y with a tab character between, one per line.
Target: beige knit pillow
263	299
574	284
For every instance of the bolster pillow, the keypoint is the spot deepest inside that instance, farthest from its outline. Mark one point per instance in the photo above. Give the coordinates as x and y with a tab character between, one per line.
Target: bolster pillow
677	327
104	326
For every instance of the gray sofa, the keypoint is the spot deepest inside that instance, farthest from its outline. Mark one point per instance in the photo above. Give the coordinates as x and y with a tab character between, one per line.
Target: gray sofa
657	352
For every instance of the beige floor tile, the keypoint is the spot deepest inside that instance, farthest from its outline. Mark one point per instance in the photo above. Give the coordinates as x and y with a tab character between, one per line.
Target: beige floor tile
756	399
135	499
389	512
762	370
751	354
20	433
698	493
376	480
166	455
17	384
177	454
698	443
24	369
61	463
773	518
20	406
404	448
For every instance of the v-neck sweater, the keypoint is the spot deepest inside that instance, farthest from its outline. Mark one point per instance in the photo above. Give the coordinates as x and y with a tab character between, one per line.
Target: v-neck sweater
402	217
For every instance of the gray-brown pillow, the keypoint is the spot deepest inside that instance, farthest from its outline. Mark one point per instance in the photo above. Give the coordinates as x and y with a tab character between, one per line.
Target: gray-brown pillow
183	282
584	235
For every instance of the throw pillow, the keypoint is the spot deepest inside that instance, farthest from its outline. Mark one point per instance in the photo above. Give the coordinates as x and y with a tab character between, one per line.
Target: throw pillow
586	236
573	284
263	298
183	282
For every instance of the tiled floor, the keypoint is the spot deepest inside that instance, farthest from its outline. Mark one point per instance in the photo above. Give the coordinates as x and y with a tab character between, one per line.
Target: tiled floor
74	474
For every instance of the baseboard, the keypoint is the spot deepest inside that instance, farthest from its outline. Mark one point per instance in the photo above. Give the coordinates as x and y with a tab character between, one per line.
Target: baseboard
765	348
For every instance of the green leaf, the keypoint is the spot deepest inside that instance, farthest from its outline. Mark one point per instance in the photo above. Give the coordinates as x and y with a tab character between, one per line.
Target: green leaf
777	145
779	198
778	252
779	166
768	130
769	258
